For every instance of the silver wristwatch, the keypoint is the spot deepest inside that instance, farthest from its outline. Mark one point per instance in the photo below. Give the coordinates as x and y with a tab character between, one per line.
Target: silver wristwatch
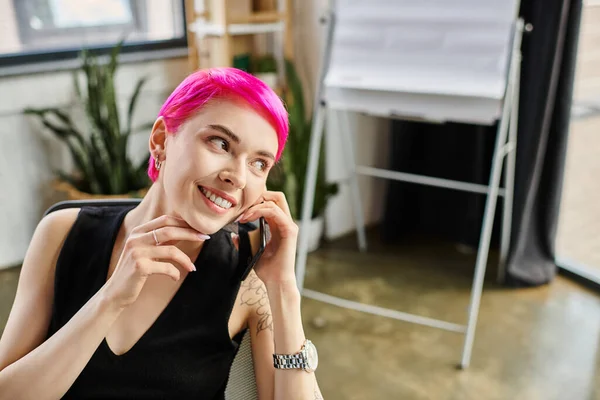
307	359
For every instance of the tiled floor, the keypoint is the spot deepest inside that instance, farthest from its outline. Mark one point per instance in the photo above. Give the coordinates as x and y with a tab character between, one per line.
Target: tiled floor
531	344
540	343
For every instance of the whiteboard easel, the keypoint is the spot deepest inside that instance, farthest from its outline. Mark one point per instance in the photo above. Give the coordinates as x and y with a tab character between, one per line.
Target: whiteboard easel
481	88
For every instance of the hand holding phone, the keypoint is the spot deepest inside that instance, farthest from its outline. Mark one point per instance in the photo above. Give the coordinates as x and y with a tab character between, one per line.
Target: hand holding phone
262	243
278	232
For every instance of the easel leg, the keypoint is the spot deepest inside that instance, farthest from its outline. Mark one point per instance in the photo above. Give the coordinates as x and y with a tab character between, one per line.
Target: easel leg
509	175
509	111
347	139
309	193
486	230
313	156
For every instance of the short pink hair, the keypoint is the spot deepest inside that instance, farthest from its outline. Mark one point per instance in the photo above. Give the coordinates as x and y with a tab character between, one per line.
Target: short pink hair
205	85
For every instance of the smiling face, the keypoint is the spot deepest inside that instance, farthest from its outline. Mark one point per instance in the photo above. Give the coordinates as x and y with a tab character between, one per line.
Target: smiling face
216	166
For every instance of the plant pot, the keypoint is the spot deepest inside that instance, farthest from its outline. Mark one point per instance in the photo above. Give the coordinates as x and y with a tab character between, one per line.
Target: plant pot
315	232
270	78
73	193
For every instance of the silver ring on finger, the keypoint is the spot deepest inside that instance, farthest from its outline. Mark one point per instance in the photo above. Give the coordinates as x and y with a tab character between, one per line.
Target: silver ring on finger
155	238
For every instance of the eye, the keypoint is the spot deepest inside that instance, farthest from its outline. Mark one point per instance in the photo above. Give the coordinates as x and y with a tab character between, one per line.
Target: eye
260	164
219	142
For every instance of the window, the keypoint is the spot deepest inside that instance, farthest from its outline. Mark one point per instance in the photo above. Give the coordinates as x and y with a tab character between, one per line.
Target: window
33	31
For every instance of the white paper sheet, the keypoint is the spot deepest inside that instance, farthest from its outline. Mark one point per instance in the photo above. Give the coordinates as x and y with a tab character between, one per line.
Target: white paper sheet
457	48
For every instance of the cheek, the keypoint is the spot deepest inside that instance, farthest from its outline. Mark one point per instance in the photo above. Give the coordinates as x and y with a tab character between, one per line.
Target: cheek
255	190
195	164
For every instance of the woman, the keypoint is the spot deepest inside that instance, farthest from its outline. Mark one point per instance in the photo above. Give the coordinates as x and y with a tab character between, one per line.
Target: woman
146	301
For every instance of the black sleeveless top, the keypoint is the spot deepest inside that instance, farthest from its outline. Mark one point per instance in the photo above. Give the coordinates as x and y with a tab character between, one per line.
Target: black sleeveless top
187	353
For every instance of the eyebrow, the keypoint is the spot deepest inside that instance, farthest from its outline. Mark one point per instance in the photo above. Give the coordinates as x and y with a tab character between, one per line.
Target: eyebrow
235	138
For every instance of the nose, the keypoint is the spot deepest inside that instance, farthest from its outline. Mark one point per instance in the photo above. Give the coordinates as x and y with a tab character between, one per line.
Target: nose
235	175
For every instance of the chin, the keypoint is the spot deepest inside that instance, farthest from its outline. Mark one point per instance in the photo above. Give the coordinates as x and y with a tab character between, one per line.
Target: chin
205	223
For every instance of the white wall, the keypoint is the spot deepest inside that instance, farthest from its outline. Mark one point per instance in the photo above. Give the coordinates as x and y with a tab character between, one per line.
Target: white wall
29	155
371	133
587	82
8	28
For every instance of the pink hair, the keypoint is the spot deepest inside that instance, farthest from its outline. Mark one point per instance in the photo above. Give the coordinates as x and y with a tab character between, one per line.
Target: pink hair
205	85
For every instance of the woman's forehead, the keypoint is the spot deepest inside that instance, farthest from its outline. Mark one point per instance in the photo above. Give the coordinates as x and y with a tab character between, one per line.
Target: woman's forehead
245	123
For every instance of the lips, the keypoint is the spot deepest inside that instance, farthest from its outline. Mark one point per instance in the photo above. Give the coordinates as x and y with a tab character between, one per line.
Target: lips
220	200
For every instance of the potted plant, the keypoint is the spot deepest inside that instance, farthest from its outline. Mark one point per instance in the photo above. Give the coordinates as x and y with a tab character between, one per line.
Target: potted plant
265	69
289	175
99	148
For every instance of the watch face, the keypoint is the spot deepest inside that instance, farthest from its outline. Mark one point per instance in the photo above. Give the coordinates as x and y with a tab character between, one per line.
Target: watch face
312	356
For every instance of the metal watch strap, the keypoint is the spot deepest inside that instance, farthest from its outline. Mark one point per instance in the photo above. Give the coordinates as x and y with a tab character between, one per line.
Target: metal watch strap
292	361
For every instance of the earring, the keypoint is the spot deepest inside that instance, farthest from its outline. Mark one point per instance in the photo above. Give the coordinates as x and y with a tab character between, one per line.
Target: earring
157	163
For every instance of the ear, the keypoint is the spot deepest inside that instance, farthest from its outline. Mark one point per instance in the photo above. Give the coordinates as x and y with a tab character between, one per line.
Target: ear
158	137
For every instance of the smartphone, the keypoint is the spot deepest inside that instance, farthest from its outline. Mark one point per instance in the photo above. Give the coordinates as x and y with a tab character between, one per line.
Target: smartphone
262	243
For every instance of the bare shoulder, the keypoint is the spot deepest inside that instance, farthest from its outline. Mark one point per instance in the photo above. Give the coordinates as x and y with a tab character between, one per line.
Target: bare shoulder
46	244
29	317
253	295
53	229
58	222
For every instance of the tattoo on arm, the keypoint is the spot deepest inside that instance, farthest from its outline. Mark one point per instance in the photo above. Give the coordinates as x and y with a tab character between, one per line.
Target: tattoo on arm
255	295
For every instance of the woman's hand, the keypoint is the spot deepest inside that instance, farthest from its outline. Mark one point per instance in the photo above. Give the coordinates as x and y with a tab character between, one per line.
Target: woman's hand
142	257
276	265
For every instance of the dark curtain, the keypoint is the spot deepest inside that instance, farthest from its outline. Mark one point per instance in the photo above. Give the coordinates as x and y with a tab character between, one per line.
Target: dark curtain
463	152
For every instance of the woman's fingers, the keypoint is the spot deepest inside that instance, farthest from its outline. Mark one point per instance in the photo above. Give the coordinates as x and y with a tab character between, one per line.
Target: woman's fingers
162	268
170	253
257	211
163	220
170	234
279	199
275	217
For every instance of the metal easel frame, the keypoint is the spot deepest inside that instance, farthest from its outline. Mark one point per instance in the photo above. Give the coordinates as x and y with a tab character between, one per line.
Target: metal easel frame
505	147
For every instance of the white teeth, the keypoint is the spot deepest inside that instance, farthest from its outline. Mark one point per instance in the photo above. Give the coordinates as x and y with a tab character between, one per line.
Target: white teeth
219	201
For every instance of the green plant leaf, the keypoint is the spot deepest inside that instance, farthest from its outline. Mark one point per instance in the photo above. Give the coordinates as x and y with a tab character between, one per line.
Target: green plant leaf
92	101
133	102
76	85
264	64
111	113
83	165
295	98
68	128
114	56
102	161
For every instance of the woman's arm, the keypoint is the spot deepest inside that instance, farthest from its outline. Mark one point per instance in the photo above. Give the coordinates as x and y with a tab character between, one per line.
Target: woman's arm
275	327
275	271
30	369
284	300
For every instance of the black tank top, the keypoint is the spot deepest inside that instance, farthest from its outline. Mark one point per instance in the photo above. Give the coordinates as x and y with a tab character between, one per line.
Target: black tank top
187	353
